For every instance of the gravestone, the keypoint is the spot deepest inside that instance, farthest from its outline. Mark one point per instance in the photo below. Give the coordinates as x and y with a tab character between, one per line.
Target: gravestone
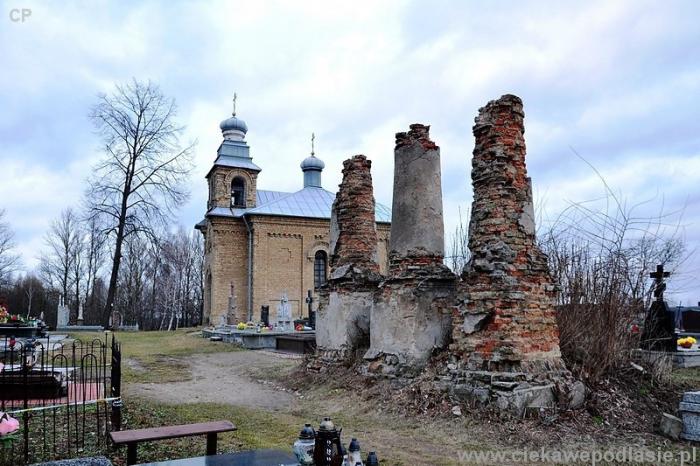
312	313
659	325
63	314
265	315
284	314
689	409
80	312
690	320
232	310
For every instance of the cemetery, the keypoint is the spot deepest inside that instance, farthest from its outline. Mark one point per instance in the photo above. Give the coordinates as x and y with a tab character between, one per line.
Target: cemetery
407	367
368	233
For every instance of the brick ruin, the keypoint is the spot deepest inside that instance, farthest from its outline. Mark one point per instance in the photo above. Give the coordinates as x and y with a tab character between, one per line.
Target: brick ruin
345	304
492	335
505	339
411	314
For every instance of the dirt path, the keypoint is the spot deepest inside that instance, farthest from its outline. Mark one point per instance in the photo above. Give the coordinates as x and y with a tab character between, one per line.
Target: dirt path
231	378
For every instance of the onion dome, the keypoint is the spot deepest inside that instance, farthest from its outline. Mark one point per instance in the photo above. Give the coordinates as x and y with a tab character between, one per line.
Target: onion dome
312	163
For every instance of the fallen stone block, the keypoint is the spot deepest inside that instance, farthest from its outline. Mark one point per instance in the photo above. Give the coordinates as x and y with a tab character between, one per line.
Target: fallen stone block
670	426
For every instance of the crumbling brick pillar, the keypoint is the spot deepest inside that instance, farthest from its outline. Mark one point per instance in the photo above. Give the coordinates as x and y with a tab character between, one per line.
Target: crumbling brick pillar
505	333
411	316
343	318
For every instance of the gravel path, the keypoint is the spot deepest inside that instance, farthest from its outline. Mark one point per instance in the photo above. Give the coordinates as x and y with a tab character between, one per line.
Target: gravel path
226	378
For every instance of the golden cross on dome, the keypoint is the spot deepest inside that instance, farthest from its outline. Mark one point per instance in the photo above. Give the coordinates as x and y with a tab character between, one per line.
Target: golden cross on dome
234	103
313	137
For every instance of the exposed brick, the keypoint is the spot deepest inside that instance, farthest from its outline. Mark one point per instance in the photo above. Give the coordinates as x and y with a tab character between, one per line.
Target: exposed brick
355	242
345	304
507	279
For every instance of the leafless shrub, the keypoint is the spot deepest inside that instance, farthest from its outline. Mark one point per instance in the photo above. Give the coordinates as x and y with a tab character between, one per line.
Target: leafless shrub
458	250
600	254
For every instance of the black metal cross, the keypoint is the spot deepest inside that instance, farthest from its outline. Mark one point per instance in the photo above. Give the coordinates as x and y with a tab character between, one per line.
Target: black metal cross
659	284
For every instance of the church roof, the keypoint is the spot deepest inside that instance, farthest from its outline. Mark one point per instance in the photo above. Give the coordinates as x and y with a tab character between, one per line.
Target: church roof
310	202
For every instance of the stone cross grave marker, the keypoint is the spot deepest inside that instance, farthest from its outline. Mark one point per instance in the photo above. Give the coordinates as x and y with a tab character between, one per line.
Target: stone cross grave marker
63	314
659	325
232	307
659	283
284	313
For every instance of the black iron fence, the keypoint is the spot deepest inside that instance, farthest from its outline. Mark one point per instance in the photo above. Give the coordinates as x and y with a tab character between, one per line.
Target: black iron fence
66	397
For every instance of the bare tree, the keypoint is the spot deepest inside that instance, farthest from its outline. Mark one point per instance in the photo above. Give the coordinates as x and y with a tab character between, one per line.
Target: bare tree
9	261
93	256
58	260
32	286
141	180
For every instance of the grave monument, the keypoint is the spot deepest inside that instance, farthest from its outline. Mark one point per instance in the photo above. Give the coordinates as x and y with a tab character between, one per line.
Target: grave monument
284	314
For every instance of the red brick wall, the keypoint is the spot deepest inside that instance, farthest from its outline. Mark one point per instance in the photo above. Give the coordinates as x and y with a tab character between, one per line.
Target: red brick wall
506	292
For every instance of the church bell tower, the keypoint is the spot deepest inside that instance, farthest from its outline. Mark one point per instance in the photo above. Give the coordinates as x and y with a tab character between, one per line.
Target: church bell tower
232	180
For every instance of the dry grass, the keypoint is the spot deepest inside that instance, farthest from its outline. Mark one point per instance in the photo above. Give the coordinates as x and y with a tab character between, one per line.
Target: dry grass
157	357
400	434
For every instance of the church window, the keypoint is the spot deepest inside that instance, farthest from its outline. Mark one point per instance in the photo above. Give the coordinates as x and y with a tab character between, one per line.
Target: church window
238	192
320	261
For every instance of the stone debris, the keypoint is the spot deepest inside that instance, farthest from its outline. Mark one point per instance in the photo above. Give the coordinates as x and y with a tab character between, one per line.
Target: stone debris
670	426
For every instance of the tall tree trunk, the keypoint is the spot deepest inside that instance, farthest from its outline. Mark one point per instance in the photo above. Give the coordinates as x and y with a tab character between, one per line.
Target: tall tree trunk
117	259
116	262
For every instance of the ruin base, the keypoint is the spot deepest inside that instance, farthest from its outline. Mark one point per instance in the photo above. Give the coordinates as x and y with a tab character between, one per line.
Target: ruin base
343	324
526	385
411	319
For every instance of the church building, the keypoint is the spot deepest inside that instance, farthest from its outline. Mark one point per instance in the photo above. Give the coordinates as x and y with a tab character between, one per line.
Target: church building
260	245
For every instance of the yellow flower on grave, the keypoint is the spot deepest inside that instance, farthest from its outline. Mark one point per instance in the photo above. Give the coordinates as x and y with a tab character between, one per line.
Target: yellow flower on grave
241	326
686	342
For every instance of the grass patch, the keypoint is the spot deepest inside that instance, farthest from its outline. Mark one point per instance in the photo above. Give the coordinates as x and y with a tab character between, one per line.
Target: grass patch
686	376
256	428
157	357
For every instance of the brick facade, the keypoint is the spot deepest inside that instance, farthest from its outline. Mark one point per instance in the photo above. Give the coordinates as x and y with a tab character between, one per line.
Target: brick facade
283	261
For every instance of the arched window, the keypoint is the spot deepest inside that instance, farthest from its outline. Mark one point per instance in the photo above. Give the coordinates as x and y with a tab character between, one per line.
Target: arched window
238	192
320	261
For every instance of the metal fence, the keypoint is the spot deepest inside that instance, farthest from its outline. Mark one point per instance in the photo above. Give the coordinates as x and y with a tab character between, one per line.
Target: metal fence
66	397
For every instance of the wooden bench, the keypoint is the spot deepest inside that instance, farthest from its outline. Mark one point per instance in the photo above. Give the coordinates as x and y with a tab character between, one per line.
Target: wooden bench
133	437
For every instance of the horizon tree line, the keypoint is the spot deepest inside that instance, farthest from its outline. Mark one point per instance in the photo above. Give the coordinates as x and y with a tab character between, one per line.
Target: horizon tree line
118	255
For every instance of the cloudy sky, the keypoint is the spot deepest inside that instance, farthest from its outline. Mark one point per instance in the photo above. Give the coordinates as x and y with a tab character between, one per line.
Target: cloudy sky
616	81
